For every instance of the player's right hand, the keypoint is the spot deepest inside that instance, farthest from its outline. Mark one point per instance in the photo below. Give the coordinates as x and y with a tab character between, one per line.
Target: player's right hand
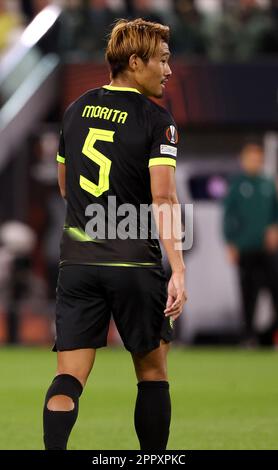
176	296
271	238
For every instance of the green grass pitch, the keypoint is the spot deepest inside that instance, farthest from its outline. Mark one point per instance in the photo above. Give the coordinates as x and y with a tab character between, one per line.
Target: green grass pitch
221	399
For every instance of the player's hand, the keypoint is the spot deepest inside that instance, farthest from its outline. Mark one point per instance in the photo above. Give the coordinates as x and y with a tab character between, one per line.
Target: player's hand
271	239
176	296
232	254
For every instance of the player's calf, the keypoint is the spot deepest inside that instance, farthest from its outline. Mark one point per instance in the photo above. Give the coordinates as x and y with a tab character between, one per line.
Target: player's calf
60	403
153	415
60	411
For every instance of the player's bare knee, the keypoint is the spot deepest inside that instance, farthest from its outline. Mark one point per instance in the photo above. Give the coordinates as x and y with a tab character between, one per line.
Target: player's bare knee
153	377
60	403
152	374
150	369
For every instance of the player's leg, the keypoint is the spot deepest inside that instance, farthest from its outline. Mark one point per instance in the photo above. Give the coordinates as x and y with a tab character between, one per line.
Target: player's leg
249	285
82	322
62	398
152	414
270	271
152	366
138	299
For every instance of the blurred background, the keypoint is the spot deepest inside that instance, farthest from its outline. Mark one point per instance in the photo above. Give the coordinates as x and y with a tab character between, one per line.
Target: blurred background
223	94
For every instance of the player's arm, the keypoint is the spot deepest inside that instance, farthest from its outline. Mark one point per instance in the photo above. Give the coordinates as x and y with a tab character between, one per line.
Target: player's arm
271	232
61	159
230	222
167	214
62	179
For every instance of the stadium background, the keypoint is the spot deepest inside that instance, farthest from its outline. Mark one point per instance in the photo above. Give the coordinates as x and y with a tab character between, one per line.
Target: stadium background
223	91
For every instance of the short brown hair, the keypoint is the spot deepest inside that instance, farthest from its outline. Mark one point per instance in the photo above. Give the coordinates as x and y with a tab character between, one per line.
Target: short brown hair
138	37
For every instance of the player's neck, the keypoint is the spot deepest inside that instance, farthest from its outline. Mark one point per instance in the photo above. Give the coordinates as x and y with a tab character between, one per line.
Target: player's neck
125	82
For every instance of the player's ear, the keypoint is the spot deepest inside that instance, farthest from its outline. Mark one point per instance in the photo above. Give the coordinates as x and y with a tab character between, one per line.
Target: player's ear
135	62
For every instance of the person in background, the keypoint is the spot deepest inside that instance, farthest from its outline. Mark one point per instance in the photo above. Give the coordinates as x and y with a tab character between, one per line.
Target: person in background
255	24
144	9
47	209
270	40
251	233
17	242
188	37
239	32
101	16
75	40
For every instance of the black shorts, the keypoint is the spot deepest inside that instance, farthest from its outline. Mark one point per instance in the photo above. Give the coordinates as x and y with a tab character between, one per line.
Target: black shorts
88	295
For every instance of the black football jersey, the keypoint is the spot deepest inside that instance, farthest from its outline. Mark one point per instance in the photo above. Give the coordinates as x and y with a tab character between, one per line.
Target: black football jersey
110	136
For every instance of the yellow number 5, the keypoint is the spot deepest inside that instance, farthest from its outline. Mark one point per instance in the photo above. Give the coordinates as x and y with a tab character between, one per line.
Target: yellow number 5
100	159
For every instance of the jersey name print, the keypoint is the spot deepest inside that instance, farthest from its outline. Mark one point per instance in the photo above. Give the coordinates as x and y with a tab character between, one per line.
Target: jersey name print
105	113
110	136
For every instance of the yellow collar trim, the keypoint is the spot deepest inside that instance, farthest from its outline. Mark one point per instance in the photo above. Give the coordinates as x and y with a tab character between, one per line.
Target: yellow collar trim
121	88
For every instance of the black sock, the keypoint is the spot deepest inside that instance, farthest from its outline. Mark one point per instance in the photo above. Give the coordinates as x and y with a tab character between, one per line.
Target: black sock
153	415
57	425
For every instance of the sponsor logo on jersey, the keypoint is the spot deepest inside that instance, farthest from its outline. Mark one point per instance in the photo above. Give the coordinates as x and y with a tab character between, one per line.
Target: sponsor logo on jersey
172	134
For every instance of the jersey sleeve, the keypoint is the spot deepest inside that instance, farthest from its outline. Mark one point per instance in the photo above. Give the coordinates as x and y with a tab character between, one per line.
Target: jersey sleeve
164	141
61	157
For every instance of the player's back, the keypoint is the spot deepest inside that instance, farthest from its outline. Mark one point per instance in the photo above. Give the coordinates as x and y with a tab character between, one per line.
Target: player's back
107	143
